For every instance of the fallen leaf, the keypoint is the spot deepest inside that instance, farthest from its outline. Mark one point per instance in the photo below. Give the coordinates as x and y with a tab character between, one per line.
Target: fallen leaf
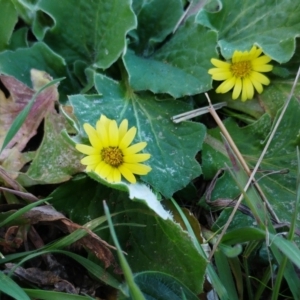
10	107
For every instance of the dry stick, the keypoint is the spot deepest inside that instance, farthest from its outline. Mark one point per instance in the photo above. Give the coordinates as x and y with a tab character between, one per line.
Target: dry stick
256	166
191	10
240	157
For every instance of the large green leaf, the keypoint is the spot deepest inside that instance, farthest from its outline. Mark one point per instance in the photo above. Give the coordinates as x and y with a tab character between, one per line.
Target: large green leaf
172	147
150	242
271	25
9	18
279	188
179	67
91	31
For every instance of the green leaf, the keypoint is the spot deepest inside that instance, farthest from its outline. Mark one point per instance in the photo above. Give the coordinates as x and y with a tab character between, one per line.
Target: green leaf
161	246
264	23
56	159
19	63
172	147
26	9
156	21
9	18
9	287
19	39
156	244
172	69
92	31
161	286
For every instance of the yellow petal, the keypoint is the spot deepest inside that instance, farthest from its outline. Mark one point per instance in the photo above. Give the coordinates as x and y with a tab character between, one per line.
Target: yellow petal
91	160
257	85
104	120
128	138
237	88
226	85
86	149
134	148
91	167
220	76
136	158
113	134
247	84
93	136
255	52
116	175
237	56
138	169
262	60
123	129
105	170
244	94
110	177
99	167
127	174
102	131
262	68
220	64
260	78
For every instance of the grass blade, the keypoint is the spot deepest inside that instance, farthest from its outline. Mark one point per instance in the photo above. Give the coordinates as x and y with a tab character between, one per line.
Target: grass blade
9	287
133	288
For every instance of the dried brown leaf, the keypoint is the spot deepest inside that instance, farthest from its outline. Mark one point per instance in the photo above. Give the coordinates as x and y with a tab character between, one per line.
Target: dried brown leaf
10	107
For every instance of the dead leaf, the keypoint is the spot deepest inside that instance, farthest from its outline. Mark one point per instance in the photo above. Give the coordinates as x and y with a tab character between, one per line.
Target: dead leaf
47	215
42	278
20	95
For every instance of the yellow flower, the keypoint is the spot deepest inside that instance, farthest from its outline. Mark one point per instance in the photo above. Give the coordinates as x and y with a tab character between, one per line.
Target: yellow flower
110	154
242	73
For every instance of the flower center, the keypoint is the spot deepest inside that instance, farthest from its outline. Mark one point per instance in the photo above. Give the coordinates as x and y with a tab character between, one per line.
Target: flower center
241	69
112	156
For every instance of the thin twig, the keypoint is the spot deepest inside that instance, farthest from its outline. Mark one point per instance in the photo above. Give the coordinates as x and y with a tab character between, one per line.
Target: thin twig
256	166
192	9
240	158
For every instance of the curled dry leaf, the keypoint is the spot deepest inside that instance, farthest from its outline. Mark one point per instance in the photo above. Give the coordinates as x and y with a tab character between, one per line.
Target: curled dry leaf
47	215
10	107
42	278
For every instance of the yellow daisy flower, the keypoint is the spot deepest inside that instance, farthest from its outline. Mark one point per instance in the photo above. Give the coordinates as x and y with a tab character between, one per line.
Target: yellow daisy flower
110	154
242	73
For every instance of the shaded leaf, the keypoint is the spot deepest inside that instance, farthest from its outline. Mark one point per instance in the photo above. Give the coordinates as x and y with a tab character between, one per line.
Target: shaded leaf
173	69
9	20
156	20
56	160
19	63
161	286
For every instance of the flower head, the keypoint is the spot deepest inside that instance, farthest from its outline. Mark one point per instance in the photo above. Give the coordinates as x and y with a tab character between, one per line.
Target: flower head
110	154
242	73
